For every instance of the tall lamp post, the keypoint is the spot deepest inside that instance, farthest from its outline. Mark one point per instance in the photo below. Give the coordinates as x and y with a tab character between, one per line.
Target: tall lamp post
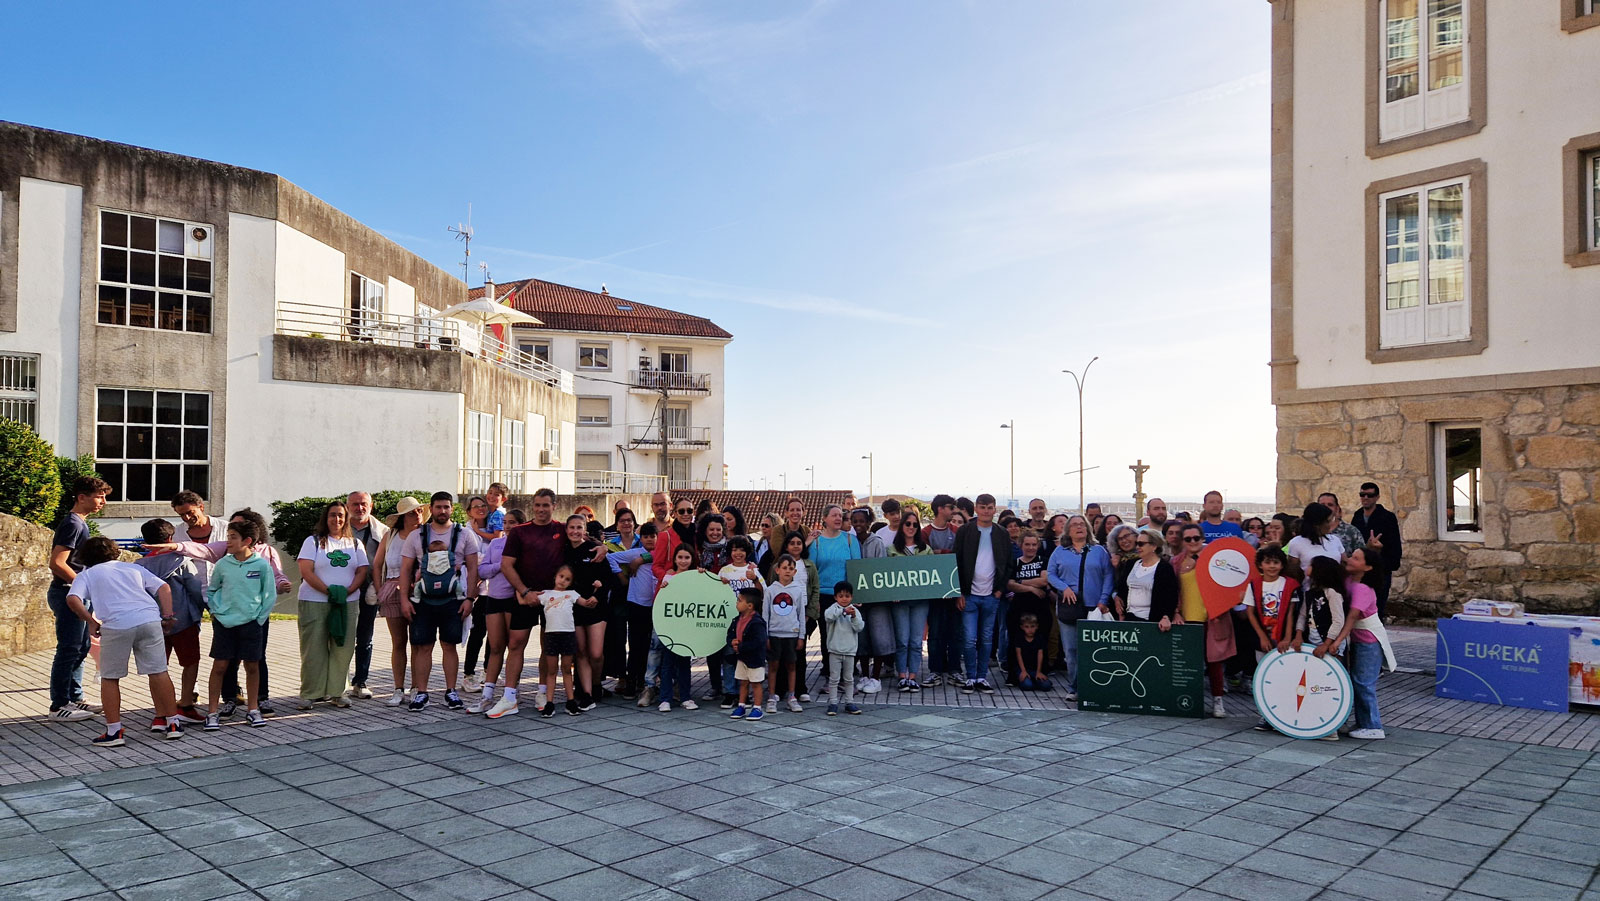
1011	499
813	470
785	477
868	458
1079	380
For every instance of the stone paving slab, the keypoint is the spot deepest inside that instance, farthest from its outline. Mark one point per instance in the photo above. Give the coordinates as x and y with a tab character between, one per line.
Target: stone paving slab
1220	811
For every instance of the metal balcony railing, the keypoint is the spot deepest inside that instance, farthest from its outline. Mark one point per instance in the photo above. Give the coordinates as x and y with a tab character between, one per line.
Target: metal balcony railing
652	380
677	435
423	332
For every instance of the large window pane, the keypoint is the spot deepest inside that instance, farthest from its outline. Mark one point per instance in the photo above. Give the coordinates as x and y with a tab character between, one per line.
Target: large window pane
171	274
1402	266
196	409
142	269
1446	37
142	233
181	265
137	477
1446	248
1594	202
169	238
198	316
141	406
195	443
113	305
113	229
113	265
108	441
141	307
1463	459
169	443
1400	39
167	480
111	400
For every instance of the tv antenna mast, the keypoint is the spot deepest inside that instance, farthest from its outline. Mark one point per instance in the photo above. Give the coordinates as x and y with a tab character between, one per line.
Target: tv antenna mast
463	233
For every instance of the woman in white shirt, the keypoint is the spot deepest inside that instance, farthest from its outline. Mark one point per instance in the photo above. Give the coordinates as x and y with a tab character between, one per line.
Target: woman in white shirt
1315	538
333	567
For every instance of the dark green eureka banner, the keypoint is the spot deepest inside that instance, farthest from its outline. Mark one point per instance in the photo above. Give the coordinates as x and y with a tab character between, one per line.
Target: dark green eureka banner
1137	668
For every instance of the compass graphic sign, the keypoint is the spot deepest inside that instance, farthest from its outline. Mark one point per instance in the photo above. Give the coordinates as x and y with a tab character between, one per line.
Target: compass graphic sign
1301	695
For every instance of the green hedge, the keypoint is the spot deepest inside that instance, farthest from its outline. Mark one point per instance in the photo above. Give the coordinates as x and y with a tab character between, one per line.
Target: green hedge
30	487
293	521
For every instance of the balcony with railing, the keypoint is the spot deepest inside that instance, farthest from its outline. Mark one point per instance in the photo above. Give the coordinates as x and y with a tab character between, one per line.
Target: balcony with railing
309	320
654	381
562	481
676	436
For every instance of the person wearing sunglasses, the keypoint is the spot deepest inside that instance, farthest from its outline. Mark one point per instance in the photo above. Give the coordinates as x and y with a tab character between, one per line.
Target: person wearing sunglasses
668	539
1146	587
1382	531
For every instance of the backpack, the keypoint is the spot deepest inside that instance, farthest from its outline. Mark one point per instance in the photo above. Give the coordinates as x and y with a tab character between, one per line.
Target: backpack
439	588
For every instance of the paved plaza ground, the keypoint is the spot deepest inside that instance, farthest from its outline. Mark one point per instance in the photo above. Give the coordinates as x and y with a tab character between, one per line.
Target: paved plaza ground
937	796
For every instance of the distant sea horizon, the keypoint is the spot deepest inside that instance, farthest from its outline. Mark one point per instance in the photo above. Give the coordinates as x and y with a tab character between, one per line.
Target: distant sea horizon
1068	503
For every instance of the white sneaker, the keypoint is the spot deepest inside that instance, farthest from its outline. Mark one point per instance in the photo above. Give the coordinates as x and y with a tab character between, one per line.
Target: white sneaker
397	699
805	696
68	714
689	704
472	684
1217	709
869	685
794	706
1368	734
1072	696
772	704
360	692
506	706
647	697
665	706
481	705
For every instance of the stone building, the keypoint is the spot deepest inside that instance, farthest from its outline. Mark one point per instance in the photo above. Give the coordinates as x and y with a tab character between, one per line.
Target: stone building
197	325
1436	285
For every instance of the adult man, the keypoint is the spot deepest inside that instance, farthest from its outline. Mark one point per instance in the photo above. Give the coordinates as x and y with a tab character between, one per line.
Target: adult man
1039	515
1211	521
944	620
368	530
533	553
891	515
661	519
1351	537
1092	513
877	645
1155	510
1172	531
1382	529
444	601
72	634
985	564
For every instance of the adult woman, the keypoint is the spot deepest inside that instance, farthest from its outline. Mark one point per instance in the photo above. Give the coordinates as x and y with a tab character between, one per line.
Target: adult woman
1146	587
1120	546
1055	530
910	617
1173	533
769	533
957	520
622	536
585	511
794	516
1315	538
333	567
499	599
1103	531
1253	527
711	555
404	521
830	548
589	614
1081	571
478	519
1272	533
733	524
1220	644
1191	605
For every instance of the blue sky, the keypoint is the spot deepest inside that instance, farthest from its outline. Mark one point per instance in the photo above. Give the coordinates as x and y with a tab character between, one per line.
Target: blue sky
911	215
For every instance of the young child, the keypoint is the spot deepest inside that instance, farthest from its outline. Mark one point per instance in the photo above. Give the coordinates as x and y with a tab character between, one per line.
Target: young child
1369	645
559	641
1269	602
130	608
675	667
844	625
188	601
783	608
437	563
1028	655
747	635
242	593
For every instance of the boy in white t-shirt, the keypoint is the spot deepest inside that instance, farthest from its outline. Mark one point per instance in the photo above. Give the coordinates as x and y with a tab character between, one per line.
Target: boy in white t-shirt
130	607
559	641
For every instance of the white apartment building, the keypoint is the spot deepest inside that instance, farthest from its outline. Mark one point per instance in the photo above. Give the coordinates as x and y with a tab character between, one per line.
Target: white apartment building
1436	284
648	381
196	325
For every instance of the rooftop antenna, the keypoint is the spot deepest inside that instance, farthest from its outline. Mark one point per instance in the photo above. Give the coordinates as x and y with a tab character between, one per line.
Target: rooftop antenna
463	233
484	267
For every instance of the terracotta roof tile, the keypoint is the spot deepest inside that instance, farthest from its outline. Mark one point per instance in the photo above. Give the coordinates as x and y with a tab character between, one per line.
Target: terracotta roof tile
564	308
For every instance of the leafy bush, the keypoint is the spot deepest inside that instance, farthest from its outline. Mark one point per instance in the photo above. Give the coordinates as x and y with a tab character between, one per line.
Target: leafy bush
30	488
72	469
293	521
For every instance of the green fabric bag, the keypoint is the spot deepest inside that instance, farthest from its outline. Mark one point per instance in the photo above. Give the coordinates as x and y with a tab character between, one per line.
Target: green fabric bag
337	595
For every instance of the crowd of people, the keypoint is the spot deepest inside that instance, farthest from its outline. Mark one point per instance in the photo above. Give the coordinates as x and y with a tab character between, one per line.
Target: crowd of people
478	589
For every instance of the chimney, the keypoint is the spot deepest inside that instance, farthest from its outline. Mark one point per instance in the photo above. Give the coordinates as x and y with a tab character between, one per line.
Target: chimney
488	288
603	289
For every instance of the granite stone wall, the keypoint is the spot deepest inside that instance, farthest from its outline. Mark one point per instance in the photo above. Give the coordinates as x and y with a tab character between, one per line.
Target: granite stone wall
26	623
1540	513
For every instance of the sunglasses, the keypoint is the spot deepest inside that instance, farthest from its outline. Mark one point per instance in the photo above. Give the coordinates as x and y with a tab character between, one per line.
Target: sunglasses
1142	543
686	511
1369	494
1195	538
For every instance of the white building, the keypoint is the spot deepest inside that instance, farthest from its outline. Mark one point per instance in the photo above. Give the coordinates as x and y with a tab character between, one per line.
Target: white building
196	325
646	377
1435	287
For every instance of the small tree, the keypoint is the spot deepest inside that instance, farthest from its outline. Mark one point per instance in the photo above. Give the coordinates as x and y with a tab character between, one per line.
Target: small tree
923	508
30	487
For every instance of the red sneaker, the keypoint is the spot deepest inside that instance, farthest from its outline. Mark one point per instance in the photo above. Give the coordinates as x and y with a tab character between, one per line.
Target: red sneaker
159	724
188	714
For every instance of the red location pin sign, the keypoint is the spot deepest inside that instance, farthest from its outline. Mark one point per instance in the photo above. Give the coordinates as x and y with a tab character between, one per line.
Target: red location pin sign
1225	567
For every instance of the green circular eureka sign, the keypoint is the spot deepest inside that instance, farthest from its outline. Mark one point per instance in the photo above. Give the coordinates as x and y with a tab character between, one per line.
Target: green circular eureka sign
692	613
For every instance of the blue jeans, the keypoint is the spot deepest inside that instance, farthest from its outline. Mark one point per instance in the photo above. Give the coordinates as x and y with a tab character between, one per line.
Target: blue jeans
674	676
910	618
945	636
978	620
1002	635
72	647
652	669
366	619
1366	662
1069	650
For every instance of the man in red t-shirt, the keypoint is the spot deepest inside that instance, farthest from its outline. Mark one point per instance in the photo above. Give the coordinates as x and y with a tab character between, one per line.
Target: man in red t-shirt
533	553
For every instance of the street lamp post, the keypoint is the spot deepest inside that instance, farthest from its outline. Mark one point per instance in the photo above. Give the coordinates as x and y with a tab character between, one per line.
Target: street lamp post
1077	380
813	470
1011	499
785	477
868	458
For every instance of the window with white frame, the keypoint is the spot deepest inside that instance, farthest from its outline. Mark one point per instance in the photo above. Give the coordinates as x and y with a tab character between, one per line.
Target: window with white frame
366	305
154	273
480	445
1424	278
428	326
152	444
19	388
1591	171
552	444
513	451
594	355
1458	480
673	360
594	411
539	350
678	472
593	470
1424	66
